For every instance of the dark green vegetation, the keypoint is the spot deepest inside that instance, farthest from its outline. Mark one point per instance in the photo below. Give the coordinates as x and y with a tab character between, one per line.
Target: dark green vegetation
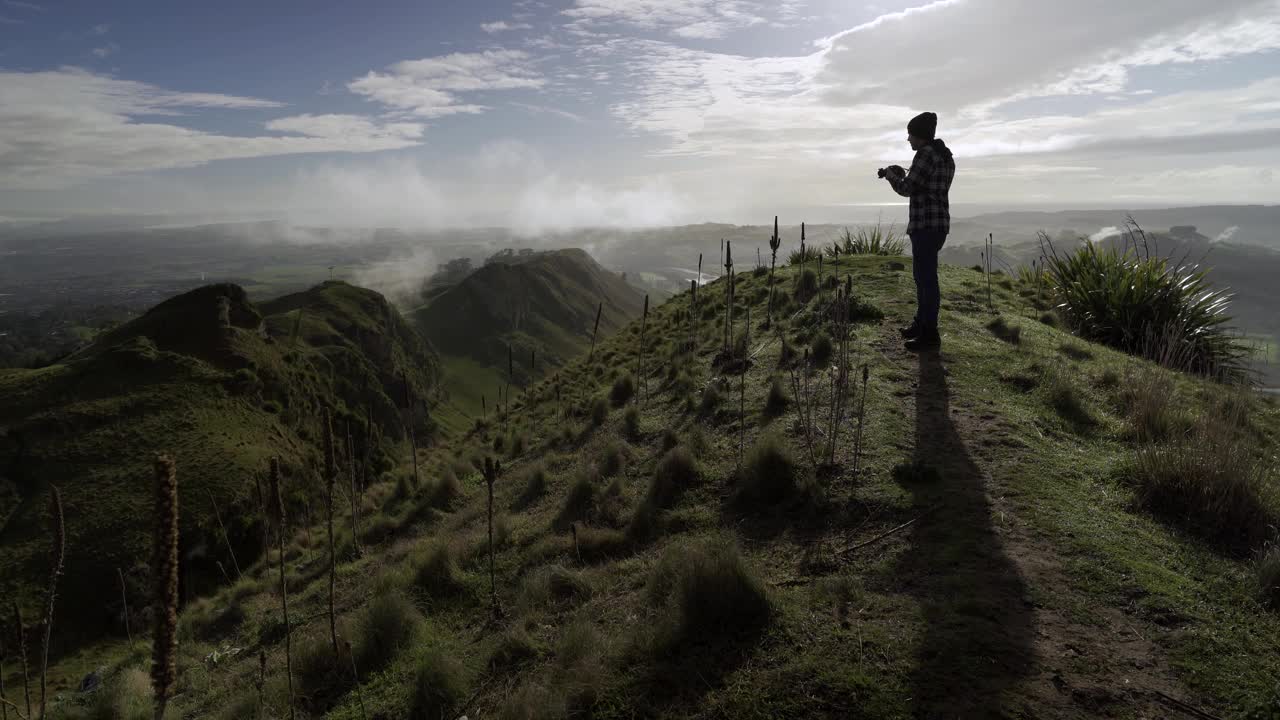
1001	551
539	307
219	383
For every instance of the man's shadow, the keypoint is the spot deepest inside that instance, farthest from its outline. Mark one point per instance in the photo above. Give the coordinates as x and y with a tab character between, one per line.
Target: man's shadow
977	639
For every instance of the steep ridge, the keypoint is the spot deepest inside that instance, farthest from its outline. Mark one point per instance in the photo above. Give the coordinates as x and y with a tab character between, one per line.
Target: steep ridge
221	385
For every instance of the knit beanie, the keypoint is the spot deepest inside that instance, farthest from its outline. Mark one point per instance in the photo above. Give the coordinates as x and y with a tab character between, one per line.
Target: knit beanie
923	126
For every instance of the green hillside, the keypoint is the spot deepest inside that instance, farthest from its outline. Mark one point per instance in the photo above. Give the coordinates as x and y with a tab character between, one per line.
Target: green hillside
540	307
221	385
991	551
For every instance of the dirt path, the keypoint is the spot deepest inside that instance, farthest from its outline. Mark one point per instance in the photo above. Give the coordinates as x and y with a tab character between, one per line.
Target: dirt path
991	647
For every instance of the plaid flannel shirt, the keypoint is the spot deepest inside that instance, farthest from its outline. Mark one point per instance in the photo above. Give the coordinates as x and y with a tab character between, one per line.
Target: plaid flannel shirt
927	184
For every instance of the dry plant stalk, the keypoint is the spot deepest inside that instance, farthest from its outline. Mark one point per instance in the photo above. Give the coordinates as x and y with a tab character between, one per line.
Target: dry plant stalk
278	506
805	403
839	374
409	422
644	321
774	243
330	477
58	555
355	677
862	415
226	539
4	700
595	331
164	568
261	681
492	468
355	499
21	636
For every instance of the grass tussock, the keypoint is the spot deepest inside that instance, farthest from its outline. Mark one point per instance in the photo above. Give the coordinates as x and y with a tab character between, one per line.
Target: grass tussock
770	474
553	587
580	501
1150	403
631	423
440	684
436	572
676	471
387	626
125	696
776	402
1011	334
1066	399
712	397
624	388
444	491
535	486
1211	483
599	412
708	594
612	460
1267	569
669	439
821	351
513	648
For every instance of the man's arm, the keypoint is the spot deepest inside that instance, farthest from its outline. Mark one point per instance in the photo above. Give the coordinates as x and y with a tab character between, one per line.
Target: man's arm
921	169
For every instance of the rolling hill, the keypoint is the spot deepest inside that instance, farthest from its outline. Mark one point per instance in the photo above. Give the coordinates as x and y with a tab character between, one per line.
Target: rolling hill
219	383
540	307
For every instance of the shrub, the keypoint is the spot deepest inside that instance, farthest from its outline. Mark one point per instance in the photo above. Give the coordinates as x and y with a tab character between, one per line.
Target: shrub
389	624
872	240
760	271
1146	306
770	474
1268	572
977	268
623	390
861	311
711	596
579	502
820	352
810	255
599	411
435	571
439	685
1211	483
321	677
777	401
631	423
1011	334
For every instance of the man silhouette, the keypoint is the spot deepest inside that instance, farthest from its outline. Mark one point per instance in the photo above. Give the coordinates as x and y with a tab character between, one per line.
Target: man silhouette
927	184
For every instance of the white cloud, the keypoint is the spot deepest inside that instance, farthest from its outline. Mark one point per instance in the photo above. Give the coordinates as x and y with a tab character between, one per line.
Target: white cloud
63	126
504	26
19	4
694	19
101	29
105	50
430	87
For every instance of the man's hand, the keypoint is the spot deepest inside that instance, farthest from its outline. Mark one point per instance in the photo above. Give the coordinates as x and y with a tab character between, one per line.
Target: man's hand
895	171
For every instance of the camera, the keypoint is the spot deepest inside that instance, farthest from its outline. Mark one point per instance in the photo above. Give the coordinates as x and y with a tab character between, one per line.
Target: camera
880	173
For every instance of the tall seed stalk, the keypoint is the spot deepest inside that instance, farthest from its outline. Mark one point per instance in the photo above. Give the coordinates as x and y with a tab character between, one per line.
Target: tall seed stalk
862	415
728	299
226	539
839	375
492	468
368	448
595	331
355	498
644	321
409	425
58	553
277	497
164	564
693	298
804	403
774	243
124	601
330	478
20	634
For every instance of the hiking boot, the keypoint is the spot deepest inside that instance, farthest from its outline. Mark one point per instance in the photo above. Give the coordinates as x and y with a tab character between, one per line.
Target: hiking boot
927	340
911	331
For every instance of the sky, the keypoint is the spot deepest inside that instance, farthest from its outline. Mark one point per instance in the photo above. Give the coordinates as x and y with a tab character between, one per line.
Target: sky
550	114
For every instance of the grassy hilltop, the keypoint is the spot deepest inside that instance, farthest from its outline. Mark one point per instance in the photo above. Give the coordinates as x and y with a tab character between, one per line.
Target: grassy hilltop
672	547
222	385
539	308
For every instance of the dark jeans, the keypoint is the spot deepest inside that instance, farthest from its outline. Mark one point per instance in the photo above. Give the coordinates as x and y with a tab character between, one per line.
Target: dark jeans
925	245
